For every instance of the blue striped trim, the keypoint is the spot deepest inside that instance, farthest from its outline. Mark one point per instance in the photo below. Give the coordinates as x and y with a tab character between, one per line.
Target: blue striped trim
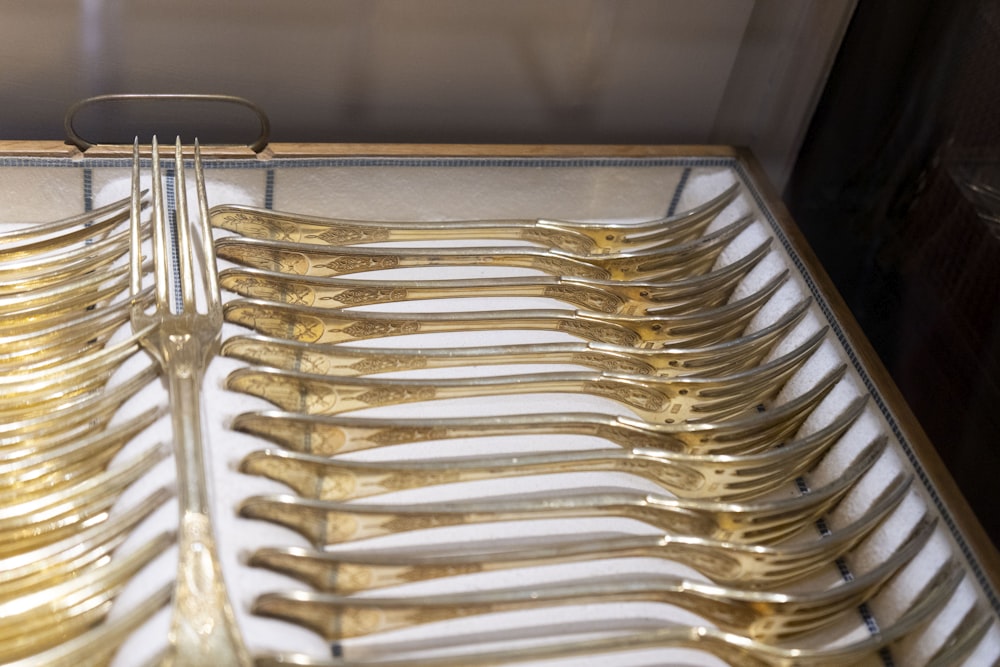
678	191
88	189
269	189
291	163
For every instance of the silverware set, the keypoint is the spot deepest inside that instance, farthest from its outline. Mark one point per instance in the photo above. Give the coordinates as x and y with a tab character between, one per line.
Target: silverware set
66	372
662	332
667	455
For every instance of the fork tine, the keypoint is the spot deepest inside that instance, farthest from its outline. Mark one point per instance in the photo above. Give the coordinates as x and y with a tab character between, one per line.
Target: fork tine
326	522
762	615
97	645
160	253
966	636
730	647
44	619
731	563
210	268
185	264
135	225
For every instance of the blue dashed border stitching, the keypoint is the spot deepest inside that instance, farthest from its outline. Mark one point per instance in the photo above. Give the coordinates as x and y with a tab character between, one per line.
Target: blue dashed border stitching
88	189
457	162
678	191
269	189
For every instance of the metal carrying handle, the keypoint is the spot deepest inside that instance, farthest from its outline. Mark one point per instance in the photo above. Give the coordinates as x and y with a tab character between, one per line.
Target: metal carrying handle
72	137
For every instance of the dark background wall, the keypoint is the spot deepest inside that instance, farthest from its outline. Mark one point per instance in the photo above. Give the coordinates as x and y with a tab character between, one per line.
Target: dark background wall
885	189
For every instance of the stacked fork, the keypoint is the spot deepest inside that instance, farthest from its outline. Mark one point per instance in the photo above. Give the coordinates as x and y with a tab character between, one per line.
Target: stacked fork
68	368
701	406
686	376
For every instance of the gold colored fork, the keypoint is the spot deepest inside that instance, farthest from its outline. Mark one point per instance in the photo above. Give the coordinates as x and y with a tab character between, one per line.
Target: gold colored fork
667	263
78	293
322	325
29	523
26	474
33	390
720	477
576	237
353	361
77	231
734	649
203	628
727	563
326	522
93	291
328	434
64	266
97	646
58	343
46	618
53	563
73	418
708	290
767	616
655	399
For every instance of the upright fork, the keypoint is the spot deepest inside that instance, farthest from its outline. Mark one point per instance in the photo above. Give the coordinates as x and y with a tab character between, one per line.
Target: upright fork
183	341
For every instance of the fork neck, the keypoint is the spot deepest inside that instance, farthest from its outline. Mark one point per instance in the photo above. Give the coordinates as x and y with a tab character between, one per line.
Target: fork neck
188	428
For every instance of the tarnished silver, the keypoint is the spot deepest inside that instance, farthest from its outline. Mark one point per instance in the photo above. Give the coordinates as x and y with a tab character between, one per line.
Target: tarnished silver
582	237
708	290
321	325
183	340
715	477
655	399
671	262
735	649
758	521
332	434
768	616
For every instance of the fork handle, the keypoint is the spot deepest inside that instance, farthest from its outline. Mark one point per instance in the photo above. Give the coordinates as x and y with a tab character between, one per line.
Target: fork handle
324	479
203	627
348	361
345	573
342	293
337	617
273	226
336	326
326	523
302	433
317	394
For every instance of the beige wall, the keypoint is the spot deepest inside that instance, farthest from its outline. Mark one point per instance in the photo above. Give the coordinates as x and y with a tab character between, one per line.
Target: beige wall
629	71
